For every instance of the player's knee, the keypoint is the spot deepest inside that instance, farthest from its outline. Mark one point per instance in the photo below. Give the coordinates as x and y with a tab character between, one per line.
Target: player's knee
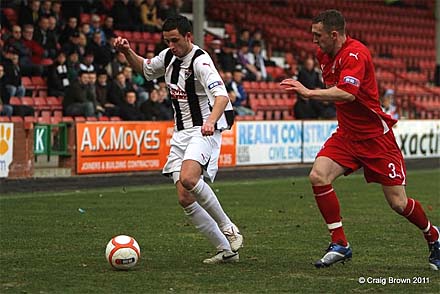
316	178
188	182
397	204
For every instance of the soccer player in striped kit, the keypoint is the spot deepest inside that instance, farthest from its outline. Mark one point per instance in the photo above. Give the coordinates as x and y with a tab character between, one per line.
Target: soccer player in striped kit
364	137
202	110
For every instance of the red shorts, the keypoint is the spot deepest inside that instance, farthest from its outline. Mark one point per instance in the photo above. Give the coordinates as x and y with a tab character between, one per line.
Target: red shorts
380	157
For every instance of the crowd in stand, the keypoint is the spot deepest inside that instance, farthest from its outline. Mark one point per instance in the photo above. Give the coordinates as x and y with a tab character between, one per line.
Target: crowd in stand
76	57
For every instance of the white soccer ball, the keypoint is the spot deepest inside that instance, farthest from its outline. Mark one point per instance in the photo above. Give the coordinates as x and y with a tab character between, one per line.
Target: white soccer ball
122	252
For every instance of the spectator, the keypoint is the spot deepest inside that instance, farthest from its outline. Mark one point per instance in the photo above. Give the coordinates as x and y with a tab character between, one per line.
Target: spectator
4	21
85	29
258	36
228	57
236	92
57	78
155	108
148	13
102	93
256	59
116	66
91	85
17	43
214	50
78	100
54	29
387	103
108	27
72	44
175	8
87	62
73	66
56	12
5	108
12	70
122	17
70	29
118	88
101	53
30	13
7	89
35	49
104	7
244	38
308	76
46	9
129	111
251	72
163	9
45	38
95	26
141	94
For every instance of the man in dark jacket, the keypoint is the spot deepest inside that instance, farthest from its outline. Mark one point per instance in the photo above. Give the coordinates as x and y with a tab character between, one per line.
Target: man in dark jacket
78	100
128	110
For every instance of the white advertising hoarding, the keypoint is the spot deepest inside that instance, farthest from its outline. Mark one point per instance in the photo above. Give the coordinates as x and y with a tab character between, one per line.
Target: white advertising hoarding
418	138
6	147
270	142
315	134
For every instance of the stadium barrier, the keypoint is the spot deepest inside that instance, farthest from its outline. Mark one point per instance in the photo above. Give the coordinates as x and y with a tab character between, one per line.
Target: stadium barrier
108	147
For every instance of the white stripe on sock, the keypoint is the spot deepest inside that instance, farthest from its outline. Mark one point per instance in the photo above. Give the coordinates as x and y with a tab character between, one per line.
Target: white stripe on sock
412	208
334	225
426	230
325	193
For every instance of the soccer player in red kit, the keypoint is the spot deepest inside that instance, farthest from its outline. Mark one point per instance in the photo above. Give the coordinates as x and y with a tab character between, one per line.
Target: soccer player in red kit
364	137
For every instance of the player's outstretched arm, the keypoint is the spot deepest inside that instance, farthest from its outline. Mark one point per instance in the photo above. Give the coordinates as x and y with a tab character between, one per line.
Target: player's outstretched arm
135	61
330	94
220	103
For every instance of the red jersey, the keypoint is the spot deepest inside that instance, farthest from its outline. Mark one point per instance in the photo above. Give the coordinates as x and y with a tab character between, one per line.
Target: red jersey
352	70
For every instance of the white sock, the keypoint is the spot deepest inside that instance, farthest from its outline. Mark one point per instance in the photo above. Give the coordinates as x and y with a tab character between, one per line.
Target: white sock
207	226
207	199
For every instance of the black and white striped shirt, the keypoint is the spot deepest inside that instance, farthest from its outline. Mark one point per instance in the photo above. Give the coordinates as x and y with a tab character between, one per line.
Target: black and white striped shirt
193	83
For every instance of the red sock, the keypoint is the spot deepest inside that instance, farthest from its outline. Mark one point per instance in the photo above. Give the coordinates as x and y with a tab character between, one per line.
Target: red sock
415	214
328	204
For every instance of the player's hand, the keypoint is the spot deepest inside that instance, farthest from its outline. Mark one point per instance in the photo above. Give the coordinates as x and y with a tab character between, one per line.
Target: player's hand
121	44
294	85
208	129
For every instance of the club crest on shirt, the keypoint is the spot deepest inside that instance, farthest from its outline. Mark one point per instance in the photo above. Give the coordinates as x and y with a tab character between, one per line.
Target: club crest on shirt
352	80
188	73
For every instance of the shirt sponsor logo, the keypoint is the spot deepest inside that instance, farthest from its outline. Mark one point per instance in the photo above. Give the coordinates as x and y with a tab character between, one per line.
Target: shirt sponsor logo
352	80
215	84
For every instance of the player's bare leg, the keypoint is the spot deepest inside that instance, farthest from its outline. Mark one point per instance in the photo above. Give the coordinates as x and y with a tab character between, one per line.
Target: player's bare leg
413	212
323	173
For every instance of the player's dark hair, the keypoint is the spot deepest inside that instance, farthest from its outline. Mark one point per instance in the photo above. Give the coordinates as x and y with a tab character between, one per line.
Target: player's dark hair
179	22
332	20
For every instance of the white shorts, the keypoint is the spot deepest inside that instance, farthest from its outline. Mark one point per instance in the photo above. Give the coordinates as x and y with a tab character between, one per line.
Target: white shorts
191	144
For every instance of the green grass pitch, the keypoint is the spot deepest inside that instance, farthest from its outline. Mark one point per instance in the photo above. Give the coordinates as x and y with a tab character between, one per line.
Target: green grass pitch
48	246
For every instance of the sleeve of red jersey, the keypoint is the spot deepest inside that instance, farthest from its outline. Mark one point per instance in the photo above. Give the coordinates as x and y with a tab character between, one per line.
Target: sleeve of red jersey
352	72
